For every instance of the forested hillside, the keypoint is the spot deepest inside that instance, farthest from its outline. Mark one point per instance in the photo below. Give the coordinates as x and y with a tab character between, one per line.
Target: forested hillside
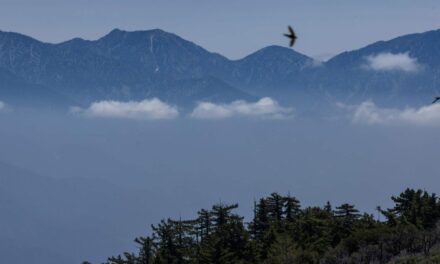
282	231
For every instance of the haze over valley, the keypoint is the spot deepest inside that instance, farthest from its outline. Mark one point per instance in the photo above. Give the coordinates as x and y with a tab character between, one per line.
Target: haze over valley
101	138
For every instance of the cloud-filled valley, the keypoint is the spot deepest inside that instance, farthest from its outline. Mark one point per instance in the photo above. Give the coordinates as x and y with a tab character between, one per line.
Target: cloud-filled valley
155	109
148	76
369	113
104	132
130	167
264	108
148	109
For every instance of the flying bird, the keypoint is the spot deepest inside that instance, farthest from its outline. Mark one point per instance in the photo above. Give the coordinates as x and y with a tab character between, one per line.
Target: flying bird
292	36
437	98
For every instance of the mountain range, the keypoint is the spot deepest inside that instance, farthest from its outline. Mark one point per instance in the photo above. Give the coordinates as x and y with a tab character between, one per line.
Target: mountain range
144	64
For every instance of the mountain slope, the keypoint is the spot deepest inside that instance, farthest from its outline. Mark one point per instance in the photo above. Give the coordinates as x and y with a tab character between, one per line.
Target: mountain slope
273	66
423	46
349	76
121	66
18	92
143	64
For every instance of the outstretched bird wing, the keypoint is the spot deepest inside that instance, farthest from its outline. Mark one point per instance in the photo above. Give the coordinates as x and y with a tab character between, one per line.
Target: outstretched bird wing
292	42
291	31
436	99
291	35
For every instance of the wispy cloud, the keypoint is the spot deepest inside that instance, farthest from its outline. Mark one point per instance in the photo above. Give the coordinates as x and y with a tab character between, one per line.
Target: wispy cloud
264	108
4	107
369	113
313	63
152	109
392	62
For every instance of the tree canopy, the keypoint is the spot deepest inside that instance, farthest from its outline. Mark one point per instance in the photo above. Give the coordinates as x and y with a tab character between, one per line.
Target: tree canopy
283	232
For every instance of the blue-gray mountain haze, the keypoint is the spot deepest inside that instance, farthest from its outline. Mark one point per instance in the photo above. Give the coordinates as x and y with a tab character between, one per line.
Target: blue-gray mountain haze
74	189
144	64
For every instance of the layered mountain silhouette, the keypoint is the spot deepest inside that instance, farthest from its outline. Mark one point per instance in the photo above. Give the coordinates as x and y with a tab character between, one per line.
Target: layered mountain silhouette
144	64
347	74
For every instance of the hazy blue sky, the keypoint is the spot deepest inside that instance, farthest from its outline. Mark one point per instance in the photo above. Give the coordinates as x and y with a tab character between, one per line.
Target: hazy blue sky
233	28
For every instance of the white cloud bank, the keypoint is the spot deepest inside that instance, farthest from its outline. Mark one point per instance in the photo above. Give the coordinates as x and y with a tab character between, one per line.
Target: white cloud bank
392	62
264	108
369	113
150	109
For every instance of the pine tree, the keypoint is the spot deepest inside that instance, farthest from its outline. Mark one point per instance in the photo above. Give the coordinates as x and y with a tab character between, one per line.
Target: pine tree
328	207
204	224
129	258
228	240
262	233
292	208
164	237
416	207
146	250
282	232
282	251
312	231
346	215
275	204
347	211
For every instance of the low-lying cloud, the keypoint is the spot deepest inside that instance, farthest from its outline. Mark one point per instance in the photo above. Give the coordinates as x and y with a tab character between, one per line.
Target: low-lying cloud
392	62
264	108
313	63
4	107
149	109
369	113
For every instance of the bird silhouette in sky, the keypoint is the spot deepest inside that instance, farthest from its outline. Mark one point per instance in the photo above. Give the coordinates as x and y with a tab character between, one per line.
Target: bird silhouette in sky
437	98
292	36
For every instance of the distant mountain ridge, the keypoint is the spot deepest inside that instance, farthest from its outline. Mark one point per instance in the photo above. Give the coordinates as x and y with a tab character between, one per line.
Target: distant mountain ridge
136	65
424	48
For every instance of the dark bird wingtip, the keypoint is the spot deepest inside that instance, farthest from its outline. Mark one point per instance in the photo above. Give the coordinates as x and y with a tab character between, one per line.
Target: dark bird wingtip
291	35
